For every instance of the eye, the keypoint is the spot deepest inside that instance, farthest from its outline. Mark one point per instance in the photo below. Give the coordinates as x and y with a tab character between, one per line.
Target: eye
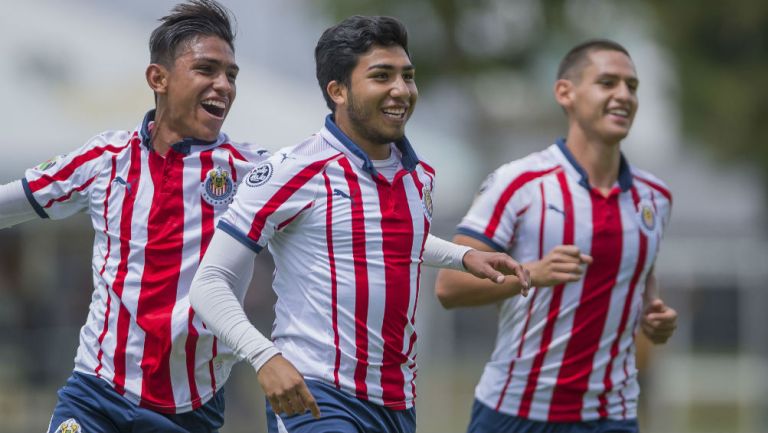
380	76
409	76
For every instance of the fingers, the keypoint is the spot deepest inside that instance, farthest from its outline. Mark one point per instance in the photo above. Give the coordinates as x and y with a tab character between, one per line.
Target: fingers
309	401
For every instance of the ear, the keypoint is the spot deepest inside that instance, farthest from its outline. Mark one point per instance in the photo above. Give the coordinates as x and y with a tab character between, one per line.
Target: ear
337	92
564	92
157	78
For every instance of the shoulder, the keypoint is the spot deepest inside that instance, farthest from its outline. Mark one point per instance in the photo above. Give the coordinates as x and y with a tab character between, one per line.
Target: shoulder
298	163
244	151
525	171
650	182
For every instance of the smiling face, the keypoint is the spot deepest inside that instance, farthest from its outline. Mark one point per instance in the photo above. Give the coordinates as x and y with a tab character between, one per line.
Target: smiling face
602	100
195	94
374	108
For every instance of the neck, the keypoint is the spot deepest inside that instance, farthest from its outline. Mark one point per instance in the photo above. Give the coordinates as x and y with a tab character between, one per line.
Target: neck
161	136
374	150
599	159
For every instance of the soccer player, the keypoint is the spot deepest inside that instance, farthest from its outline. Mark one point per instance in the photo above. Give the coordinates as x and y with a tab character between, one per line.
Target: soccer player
145	361
589	225
346	216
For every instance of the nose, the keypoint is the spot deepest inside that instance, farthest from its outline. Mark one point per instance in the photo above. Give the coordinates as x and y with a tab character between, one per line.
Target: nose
401	89
624	92
223	84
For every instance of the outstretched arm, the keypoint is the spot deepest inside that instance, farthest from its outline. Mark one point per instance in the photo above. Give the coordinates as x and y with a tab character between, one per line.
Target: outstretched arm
659	321
15	207
562	264
216	294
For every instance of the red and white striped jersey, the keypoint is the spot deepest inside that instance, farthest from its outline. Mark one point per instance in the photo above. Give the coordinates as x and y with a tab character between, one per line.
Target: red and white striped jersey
347	245
567	353
153	217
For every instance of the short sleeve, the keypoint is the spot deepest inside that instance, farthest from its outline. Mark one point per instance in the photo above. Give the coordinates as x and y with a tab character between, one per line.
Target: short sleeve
270	196
60	187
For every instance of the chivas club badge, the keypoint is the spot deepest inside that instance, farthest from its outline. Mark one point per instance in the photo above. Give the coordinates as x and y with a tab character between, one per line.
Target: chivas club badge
69	426
426	201
647	216
259	175
218	188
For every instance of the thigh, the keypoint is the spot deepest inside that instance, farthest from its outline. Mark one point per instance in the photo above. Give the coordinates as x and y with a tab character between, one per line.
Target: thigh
80	408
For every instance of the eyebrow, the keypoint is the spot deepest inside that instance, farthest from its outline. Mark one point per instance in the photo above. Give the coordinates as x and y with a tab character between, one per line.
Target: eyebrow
217	62
390	67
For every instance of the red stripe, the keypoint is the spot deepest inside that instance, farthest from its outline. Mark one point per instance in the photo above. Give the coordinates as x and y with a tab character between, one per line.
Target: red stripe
428	168
506	196
665	192
66	196
283	194
234	152
159	283
530	304
361	280
592	311
107	195
126	219
640	265
397	244
73	165
334	283
554	303
290	220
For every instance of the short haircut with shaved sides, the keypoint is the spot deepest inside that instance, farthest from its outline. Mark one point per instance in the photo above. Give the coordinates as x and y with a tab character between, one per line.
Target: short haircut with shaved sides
578	57
186	22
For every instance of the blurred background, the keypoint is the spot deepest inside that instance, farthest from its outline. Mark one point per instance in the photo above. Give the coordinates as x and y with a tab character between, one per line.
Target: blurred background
485	74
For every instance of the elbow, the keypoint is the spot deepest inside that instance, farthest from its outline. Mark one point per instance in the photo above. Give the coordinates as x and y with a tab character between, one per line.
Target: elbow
445	295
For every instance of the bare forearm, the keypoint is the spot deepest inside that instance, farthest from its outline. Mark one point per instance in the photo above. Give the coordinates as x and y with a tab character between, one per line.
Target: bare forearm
460	289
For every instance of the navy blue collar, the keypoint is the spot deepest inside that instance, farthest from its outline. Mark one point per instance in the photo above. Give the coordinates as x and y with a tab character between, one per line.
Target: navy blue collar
184	146
625	175
409	159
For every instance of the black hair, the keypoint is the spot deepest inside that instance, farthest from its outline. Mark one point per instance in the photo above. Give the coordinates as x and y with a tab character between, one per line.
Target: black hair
573	62
339	47
186	21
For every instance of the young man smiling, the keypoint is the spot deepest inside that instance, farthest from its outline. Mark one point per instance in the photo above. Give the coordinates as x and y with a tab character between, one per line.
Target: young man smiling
346	216
145	361
590	225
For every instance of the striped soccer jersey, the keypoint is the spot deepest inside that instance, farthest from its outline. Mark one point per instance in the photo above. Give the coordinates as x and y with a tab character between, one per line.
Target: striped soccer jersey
153	218
347	245
567	353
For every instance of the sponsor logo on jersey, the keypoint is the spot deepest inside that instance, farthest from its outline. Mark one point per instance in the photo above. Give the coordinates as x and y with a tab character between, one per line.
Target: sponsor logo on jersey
218	188
426	201
259	175
69	426
646	216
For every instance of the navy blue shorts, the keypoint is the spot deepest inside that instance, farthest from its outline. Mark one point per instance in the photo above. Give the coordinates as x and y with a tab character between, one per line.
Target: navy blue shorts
487	420
94	406
342	413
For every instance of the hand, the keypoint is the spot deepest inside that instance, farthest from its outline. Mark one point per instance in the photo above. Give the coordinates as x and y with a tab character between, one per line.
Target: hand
285	388
562	264
494	266
659	321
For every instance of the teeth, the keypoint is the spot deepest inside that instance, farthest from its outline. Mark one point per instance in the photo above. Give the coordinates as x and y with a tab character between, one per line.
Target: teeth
214	103
619	112
394	111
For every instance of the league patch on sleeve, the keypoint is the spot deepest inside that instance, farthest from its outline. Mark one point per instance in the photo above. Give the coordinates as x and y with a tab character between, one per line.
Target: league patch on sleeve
50	163
259	175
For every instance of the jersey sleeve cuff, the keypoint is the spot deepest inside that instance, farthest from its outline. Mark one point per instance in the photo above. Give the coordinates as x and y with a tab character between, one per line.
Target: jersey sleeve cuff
35	205
480	237
239	236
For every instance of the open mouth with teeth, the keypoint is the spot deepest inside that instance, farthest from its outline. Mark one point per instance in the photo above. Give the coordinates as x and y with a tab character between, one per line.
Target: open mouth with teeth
396	112
215	108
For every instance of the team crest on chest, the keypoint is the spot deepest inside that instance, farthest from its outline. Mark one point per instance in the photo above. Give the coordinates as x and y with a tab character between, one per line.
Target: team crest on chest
69	426
218	188
646	216
426	202
259	175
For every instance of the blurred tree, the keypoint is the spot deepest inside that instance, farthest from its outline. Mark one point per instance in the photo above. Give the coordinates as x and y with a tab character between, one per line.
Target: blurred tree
721	50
